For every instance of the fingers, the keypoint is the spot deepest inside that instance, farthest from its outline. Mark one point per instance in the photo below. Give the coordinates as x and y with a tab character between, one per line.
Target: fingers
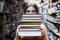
43	27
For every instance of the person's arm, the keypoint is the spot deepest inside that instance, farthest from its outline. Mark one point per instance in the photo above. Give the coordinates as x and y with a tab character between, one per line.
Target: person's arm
16	36
45	37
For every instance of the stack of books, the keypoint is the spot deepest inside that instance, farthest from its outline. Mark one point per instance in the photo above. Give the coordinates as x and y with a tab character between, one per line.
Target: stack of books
30	25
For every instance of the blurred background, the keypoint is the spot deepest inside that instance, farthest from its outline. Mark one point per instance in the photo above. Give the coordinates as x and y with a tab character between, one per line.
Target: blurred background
11	13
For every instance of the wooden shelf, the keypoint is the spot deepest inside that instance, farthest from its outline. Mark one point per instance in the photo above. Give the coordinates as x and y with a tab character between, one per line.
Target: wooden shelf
4	13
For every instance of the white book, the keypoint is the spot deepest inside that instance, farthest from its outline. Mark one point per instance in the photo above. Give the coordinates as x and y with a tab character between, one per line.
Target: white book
29	33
